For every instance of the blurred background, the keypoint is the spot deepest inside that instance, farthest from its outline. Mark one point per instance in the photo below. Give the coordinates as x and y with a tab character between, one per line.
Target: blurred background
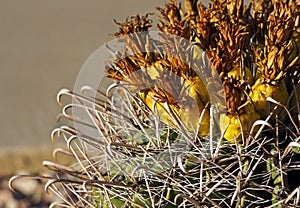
43	45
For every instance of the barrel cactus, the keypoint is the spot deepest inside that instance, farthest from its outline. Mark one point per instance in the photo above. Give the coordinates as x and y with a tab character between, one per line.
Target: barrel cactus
159	142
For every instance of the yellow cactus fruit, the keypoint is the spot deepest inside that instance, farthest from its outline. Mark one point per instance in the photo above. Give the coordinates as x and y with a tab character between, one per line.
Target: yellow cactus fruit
190	113
185	109
261	90
161	108
232	126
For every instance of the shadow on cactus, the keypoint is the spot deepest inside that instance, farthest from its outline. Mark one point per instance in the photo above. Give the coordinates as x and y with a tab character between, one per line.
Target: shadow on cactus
204	113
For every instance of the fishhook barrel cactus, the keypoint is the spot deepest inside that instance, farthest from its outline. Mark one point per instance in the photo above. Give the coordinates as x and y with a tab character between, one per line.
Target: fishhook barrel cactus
158	141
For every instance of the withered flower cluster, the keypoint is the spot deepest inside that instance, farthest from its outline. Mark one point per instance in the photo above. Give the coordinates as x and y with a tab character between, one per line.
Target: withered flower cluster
254	49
